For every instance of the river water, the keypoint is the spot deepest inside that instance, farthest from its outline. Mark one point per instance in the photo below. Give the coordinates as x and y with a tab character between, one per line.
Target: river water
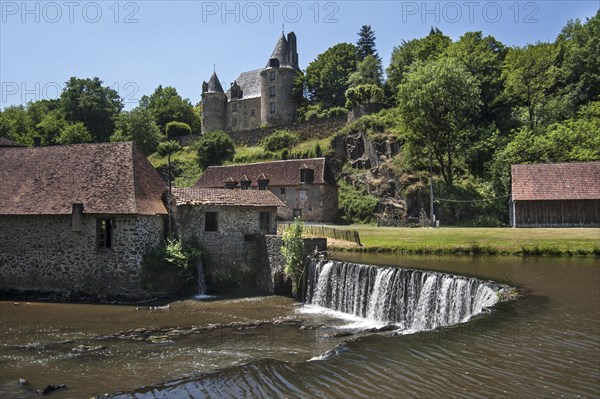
546	344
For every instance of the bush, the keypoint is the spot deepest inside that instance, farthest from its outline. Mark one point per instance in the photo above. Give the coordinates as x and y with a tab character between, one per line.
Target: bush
279	140
175	129
293	248
214	148
168	147
170	268
336	111
356	206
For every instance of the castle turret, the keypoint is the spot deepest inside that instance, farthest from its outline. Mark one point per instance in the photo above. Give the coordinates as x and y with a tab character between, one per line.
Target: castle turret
214	103
278	104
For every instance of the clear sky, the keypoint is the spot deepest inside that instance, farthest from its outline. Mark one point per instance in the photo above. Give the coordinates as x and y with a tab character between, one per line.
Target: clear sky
134	46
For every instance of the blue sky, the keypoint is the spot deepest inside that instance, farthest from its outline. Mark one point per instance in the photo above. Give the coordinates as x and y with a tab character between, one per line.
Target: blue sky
134	46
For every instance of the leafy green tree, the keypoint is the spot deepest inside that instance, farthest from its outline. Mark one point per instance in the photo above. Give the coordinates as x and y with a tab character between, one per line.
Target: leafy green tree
437	101
279	140
74	134
363	94
533	77
16	124
365	45
168	147
327	76
406	54
96	106
214	148
137	126
50	127
176	129
293	249
166	105
368	71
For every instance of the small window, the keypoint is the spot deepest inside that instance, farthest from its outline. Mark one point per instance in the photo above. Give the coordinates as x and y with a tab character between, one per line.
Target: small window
230	185
282	191
265	222
234	107
272	76
234	122
104	233
272	108
272	91
307	175
252	112
245	185
297	213
210	221
302	195
245	122
263	184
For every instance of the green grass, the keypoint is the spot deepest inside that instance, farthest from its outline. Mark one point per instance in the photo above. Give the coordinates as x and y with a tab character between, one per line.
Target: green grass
188	159
491	241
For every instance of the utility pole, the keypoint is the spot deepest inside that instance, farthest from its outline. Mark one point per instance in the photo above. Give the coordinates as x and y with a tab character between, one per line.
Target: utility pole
431	189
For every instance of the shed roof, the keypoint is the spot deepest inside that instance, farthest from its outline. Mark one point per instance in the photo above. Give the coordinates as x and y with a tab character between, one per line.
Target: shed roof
279	173
222	196
107	178
556	181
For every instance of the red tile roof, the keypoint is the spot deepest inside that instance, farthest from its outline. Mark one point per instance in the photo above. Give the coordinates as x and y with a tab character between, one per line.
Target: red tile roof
222	196
556	181
108	178
279	173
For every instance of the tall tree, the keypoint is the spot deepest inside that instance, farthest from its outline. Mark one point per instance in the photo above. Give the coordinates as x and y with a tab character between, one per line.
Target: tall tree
138	126
368	71
166	105
327	76
406	54
437	102
366	43
74	134
96	106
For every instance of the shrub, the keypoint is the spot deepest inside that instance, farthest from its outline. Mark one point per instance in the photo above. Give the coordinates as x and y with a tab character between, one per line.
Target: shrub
293	248
336	111
214	148
279	140
356	206
175	129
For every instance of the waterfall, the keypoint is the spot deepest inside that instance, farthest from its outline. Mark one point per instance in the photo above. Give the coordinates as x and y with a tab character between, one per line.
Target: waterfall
415	300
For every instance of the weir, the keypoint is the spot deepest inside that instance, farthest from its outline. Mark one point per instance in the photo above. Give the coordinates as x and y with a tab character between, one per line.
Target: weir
415	300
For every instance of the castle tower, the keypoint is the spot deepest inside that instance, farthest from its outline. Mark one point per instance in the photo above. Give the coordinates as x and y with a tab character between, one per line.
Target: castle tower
278	105
214	105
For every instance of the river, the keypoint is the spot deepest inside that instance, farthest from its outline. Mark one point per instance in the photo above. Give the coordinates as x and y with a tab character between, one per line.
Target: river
546	344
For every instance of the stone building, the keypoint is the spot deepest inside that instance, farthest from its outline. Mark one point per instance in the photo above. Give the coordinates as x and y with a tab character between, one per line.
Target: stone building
258	98
555	195
306	186
230	225
75	220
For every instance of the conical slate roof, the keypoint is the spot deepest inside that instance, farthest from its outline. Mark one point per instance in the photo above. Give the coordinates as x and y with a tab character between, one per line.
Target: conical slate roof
281	51
214	85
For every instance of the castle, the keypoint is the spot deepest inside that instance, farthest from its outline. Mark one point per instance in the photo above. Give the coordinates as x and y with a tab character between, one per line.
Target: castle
258	98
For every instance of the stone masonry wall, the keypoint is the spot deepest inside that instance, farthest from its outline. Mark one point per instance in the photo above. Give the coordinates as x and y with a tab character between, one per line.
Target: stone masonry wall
42	256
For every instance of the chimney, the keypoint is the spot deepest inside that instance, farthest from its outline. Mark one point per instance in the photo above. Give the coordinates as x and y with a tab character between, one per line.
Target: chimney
37	141
77	217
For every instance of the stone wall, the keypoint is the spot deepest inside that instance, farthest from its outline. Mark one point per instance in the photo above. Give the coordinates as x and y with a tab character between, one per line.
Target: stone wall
42	256
243	114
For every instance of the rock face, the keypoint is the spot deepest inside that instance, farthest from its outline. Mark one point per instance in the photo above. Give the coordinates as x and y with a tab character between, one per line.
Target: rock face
373	156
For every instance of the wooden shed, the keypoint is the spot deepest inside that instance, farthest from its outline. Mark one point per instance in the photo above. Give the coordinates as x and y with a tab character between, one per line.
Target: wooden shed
555	195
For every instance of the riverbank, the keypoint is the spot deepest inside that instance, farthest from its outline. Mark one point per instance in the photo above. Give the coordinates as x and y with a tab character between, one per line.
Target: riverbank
472	241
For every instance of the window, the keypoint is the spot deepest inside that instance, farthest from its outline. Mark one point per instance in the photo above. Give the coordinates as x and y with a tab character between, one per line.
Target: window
104	233
263	184
230	185
265	222
297	213
272	91
245	122
302	195
234	122
272	108
210	221
252	112
234	107
272	76
245	185
307	175
282	191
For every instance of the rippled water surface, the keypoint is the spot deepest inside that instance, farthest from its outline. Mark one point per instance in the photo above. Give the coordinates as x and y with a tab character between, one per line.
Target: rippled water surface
546	344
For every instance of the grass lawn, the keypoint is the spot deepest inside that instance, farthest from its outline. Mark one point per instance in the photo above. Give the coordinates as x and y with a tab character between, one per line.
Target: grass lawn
538	241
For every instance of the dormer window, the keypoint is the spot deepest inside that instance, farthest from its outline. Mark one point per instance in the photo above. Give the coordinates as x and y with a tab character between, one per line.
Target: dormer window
307	175
263	184
245	183
230	184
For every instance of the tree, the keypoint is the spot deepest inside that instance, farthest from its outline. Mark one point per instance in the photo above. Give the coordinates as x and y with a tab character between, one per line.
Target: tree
533	77
293	249
137	126
166	105
405	55
327	76
363	94
365	45
74	134
16	124
214	148
437	101
97	107
368	71
175	129
50	128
